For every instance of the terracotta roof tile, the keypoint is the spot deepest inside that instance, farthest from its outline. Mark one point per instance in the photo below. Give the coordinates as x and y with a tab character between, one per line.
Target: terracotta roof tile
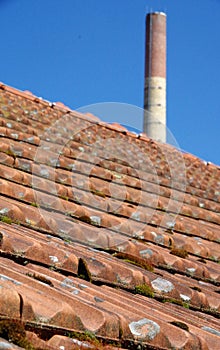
103	233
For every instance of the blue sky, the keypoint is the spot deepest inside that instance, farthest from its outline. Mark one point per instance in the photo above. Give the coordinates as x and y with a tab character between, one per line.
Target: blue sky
84	52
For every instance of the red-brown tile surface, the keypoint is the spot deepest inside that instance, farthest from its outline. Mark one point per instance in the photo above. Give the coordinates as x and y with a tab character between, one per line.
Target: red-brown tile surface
104	233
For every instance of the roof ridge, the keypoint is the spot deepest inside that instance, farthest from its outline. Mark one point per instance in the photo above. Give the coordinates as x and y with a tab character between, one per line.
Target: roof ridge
55	105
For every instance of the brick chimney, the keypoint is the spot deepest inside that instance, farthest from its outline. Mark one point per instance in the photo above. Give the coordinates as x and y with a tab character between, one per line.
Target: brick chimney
155	77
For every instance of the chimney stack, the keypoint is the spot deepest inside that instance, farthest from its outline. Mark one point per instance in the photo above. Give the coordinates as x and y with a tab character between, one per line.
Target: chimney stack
155	77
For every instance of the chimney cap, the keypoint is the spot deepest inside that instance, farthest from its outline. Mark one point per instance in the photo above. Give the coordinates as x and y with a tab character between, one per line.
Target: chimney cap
156	13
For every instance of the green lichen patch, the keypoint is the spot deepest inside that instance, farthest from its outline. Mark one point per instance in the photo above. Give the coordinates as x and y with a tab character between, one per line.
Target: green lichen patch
6	219
140	262
144	289
34	204
98	193
89	337
14	331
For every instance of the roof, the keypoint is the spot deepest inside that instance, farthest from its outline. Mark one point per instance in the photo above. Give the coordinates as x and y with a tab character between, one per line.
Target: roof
108	239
